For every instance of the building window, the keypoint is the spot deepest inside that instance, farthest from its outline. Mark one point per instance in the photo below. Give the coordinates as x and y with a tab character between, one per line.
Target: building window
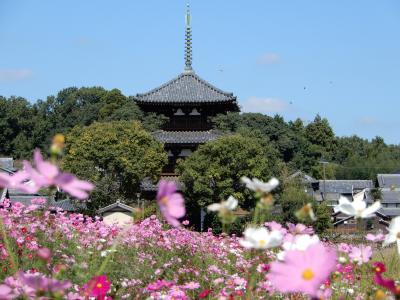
185	152
179	112
194	112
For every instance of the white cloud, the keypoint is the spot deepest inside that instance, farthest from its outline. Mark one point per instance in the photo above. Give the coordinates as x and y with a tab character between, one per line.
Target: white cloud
368	120
14	74
265	105
269	59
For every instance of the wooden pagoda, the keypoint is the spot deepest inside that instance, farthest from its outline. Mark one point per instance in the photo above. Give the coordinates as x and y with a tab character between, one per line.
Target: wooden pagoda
188	101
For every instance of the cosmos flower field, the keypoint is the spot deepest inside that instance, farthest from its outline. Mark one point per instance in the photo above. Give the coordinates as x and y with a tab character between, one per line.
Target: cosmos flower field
49	254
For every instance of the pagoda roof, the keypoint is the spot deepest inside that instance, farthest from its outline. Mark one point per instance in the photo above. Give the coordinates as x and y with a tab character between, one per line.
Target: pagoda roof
187	87
186	137
148	186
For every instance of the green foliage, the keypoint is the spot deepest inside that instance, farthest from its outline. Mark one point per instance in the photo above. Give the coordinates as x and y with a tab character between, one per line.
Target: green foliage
363	160
213	172
293	198
16	122
116	156
24	127
320	133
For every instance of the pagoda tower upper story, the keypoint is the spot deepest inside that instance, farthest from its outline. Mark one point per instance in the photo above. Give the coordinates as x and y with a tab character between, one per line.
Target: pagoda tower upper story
188	101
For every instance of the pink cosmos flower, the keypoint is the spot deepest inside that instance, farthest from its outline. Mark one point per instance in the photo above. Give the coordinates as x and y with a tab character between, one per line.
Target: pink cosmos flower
6	293
387	283
360	254
171	203
159	285
98	287
46	174
15	181
38	201
343	247
299	229
303	271
275	226
44	253
191	285
379	237
379	267
39	282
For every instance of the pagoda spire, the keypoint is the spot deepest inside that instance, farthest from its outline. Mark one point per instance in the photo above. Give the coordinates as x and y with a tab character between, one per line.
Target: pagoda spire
188	41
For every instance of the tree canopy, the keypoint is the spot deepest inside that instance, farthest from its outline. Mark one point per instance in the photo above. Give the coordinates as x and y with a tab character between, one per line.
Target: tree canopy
25	126
213	172
116	156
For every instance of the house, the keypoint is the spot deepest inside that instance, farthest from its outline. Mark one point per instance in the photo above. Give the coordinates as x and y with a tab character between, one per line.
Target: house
14	195
331	190
117	213
390	181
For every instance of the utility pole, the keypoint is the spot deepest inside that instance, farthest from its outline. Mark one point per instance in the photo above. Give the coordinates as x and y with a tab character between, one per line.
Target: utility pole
324	163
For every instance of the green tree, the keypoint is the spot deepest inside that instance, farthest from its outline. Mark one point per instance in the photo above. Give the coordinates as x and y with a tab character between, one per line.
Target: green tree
293	198
320	133
116	155
16	123
213	172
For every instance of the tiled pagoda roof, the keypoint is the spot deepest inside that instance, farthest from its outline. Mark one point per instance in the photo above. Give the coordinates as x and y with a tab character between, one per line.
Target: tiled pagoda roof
186	137
188	87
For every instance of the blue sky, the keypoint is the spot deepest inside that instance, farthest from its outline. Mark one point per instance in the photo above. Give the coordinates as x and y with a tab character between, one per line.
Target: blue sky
296	58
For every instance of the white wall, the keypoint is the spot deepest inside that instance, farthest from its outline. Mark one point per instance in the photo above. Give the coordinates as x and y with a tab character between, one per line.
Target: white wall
121	218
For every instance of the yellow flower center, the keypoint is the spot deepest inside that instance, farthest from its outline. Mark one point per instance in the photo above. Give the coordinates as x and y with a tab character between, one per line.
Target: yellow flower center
308	274
377	269
306	209
99	285
262	243
164	200
380	295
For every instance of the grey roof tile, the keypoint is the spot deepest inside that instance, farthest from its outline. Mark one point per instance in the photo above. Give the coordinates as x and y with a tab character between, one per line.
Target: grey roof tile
344	186
7	163
115	206
187	87
390	211
26	198
390	196
69	205
186	137
148	186
389	180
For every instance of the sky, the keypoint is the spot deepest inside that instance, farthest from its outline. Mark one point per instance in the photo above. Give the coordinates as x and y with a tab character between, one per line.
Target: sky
296	58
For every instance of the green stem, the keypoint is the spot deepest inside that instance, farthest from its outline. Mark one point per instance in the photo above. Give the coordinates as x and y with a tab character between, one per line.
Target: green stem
7	244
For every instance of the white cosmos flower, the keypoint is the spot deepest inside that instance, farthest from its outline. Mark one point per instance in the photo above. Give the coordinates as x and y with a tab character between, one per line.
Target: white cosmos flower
229	204
394	233
358	208
261	238
260	186
298	242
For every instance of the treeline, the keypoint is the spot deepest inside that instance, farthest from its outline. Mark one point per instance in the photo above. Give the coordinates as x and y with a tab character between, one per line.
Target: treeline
304	147
25	126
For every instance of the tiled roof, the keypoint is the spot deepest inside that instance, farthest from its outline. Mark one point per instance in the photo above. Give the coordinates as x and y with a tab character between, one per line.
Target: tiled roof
344	186
390	196
25	198
389	180
305	178
186	137
7	163
114	206
390	211
69	205
188	87
148	186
